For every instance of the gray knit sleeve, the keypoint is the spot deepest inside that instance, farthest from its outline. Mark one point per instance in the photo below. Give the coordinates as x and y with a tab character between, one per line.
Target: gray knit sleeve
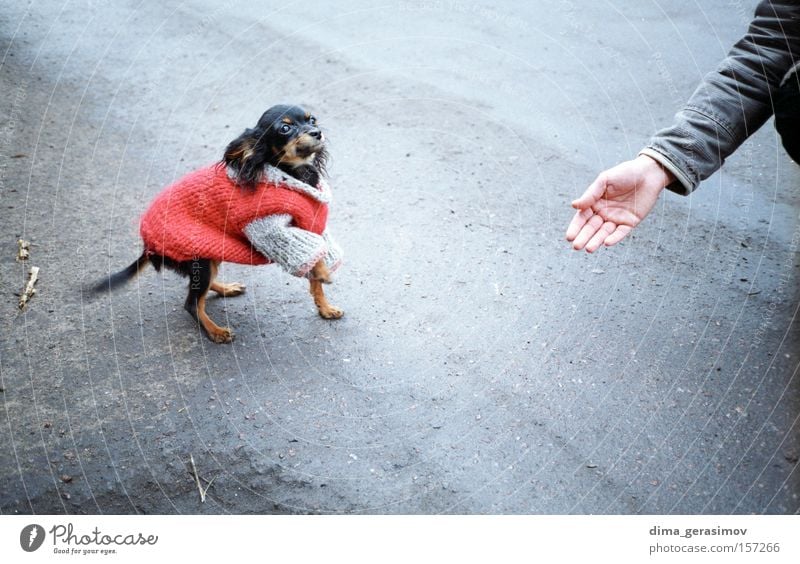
334	255
293	249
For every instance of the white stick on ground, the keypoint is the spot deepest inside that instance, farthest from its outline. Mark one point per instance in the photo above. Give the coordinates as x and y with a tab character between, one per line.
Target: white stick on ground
29	290
200	488
24	251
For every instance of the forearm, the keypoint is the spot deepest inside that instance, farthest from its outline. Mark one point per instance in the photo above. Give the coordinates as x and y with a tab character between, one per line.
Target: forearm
732	102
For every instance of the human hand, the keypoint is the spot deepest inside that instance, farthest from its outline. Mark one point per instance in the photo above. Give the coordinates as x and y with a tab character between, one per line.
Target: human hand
616	202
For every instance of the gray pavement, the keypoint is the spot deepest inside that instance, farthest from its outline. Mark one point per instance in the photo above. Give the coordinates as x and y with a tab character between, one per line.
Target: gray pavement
482	366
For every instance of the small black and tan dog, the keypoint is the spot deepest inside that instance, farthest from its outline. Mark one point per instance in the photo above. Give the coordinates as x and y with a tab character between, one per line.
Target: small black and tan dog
285	137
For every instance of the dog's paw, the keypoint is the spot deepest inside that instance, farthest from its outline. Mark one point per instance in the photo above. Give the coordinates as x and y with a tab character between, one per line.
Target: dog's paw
223	335
229	290
234	289
331	312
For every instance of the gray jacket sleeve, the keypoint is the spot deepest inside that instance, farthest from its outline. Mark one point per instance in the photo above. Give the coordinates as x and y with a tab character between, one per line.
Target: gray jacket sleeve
732	102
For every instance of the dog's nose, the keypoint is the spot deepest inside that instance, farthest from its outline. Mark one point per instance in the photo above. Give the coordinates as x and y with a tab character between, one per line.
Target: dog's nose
315	133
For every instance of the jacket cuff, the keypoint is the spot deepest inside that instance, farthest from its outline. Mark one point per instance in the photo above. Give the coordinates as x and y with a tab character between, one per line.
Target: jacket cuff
682	184
304	270
333	255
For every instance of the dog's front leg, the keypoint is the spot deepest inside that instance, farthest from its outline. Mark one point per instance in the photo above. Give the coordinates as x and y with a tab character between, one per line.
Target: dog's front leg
319	276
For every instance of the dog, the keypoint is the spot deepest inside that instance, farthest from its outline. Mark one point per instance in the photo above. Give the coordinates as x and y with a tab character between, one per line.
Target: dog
265	201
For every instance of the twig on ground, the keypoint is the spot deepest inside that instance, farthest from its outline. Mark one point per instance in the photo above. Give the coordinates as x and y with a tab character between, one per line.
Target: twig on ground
29	290
24	251
203	491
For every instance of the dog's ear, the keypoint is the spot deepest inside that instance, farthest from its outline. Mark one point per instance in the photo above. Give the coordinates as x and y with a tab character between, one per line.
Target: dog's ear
246	157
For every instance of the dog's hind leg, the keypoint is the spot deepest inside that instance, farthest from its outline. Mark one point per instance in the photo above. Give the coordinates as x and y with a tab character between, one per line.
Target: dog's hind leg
201	274
226	290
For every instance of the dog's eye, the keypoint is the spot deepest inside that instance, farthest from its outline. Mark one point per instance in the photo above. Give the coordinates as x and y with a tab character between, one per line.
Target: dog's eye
285	128
312	120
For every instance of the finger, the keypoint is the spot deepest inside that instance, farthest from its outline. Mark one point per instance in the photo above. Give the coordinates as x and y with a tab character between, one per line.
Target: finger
593	193
579	220
618	235
587	231
598	238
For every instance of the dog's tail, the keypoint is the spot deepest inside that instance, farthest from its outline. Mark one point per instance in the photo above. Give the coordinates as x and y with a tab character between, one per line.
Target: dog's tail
118	279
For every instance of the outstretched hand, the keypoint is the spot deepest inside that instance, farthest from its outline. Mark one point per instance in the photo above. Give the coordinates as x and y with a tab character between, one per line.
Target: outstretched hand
616	202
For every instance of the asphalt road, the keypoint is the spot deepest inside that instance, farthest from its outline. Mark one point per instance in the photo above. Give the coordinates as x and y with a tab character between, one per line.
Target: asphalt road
482	366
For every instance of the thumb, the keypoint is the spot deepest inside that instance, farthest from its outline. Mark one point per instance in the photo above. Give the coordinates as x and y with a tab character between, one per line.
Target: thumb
593	193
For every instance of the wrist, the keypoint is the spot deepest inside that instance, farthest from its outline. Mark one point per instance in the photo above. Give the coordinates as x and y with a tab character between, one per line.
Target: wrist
655	172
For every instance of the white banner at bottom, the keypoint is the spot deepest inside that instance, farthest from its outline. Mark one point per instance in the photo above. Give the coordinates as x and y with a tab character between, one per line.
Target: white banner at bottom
355	539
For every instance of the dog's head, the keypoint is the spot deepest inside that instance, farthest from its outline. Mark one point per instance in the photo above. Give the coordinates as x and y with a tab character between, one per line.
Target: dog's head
287	137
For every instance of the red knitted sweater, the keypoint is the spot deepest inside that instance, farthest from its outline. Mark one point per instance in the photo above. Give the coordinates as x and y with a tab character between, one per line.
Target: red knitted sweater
203	214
